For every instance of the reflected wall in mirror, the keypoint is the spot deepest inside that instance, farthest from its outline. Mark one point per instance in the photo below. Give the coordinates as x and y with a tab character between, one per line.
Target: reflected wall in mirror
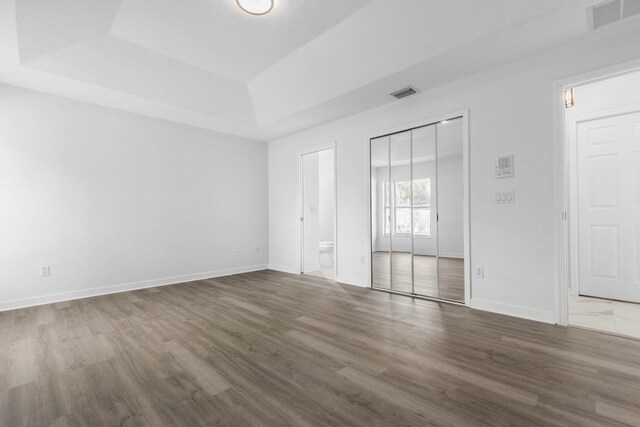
399	197
380	217
425	233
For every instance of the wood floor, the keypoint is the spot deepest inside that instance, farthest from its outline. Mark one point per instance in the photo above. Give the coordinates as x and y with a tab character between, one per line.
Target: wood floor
268	348
425	277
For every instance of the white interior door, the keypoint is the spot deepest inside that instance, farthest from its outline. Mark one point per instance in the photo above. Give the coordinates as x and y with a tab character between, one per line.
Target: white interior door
609	207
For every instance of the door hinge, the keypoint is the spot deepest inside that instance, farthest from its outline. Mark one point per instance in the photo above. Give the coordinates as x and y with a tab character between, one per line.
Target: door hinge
301	219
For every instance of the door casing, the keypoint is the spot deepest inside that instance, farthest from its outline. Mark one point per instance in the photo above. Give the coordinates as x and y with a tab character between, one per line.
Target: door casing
565	196
327	146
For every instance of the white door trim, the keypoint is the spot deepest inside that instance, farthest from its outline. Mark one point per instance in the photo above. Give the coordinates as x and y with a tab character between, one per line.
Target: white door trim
466	196
331	145
564	171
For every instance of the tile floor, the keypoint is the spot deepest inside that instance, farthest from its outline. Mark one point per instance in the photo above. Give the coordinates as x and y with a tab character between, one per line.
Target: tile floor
616	317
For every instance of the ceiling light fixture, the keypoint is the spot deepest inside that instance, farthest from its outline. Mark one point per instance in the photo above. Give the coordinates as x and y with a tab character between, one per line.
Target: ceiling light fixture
256	7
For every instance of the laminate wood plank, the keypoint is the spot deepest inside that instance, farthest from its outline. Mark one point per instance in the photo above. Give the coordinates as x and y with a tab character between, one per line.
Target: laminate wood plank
23	367
268	348
425	361
345	356
253	308
597	362
618	413
430	411
208	378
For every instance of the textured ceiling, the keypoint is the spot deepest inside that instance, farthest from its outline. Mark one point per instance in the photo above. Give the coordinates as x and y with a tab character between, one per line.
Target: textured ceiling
207	64
217	37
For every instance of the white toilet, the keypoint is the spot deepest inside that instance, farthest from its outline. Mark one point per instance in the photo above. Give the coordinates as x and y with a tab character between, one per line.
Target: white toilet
326	253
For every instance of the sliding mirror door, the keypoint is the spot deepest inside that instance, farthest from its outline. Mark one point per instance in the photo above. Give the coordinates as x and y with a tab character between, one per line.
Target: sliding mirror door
400	197
450	210
380	214
425	208
417	211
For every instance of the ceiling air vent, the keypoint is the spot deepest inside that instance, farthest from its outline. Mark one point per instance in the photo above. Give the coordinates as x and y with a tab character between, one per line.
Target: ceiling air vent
611	11
403	93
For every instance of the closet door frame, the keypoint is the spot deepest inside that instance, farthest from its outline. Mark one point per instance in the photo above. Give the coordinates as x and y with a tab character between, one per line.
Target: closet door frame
464	115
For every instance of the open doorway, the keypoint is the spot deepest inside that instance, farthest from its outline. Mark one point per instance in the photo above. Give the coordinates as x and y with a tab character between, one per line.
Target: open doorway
602	125
318	214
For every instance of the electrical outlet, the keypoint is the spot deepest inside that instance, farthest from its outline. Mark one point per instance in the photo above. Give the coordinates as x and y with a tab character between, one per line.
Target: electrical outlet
236	252
362	261
478	272
45	271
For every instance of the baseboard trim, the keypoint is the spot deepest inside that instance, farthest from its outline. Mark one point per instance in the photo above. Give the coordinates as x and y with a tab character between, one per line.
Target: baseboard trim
283	269
347	280
514	310
113	289
451	255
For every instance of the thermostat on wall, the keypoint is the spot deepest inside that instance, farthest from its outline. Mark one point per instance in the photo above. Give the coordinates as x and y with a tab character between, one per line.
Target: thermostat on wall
504	167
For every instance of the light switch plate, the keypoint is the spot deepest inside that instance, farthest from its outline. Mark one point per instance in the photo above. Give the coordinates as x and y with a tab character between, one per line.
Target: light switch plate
45	271
504	197
478	272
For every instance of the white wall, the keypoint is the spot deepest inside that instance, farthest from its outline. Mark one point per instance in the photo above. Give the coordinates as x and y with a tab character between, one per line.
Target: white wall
511	112
114	201
606	96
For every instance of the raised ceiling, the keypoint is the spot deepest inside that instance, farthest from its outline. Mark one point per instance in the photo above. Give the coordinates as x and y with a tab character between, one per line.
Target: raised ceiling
216	37
206	63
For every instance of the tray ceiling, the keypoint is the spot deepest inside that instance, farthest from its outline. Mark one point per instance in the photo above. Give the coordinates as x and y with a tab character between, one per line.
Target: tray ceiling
206	63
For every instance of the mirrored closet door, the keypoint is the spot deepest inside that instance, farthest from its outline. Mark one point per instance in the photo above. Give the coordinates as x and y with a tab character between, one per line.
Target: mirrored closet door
417	225
399	195
380	217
